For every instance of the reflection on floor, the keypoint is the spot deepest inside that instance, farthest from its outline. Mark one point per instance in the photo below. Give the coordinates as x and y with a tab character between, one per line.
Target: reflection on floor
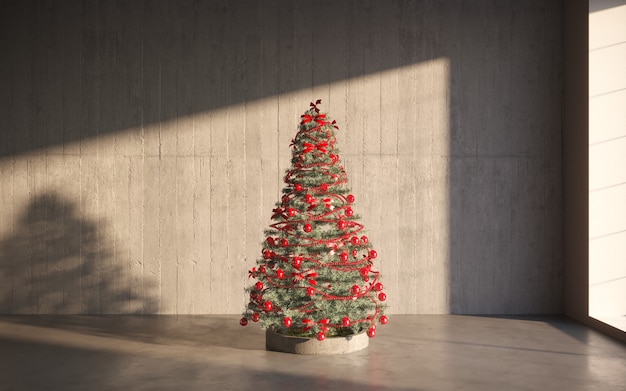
412	352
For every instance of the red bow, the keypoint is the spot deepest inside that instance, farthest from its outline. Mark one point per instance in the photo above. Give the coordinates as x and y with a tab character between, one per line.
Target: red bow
311	147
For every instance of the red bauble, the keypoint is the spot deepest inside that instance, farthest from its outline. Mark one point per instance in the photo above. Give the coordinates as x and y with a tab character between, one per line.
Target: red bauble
325	321
262	270
308	198
355	240
256	317
259	286
291	212
384	320
321	336
364	271
341	224
297	262
344	256
378	287
371	332
267	254
373	254
364	239
284	242
270	241
287	322
350	198
268	305
345	321
298	187
308	227
310	291
243	321
349	211
382	296
355	289
324	187
355	253
280	274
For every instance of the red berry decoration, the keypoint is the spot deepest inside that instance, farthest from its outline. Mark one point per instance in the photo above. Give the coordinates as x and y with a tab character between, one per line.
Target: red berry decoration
280	274
355	253
310	291
297	262
308	227
373	254
287	322
270	241
262	270
321	336
256	317
355	289
284	242
364	239
243	321
298	187
350	198
267	254
371	332
324	187
341	224
291	212
345	322
354	240
349	211
384	320
268	305
382	296
308	198
258	286
378	287
344	256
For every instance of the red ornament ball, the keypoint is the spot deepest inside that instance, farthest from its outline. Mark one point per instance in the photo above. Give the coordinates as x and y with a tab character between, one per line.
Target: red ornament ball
256	317
382	296
364	239
258	286
350	198
268	305
298	187
284	242
345	322
373	254
349	211
297	262
270	241
262	270
291	212
384	320
287	322
280	274
341	224
324	187
310	291
308	198
243	321
355	289
371	332
321	336
355	253
267	254
378	287
344	256
355	240
308	227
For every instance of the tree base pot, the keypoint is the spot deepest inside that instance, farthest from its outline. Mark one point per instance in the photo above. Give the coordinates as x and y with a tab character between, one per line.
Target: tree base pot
301	345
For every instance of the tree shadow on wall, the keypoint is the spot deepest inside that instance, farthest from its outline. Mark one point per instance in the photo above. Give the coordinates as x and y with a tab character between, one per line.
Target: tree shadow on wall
58	262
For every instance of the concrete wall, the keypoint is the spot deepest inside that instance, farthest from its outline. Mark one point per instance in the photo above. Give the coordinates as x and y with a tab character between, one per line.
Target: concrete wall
143	145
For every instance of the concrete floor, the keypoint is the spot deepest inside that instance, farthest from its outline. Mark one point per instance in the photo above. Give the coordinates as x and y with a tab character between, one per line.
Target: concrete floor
425	352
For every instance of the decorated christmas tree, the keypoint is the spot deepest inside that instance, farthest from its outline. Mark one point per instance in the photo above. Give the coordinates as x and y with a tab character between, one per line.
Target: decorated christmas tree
315	277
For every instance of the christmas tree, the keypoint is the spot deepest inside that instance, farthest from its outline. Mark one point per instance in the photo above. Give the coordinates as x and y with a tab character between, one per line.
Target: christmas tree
315	277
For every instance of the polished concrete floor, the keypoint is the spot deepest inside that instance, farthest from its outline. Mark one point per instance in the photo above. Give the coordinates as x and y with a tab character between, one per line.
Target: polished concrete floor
425	352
